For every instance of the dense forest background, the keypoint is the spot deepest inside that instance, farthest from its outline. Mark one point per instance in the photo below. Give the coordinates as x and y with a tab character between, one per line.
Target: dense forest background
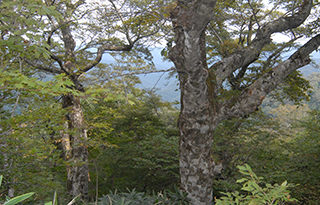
131	121
134	142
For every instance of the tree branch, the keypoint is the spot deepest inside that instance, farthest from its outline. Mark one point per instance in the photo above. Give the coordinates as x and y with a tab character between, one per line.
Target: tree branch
246	56
251	98
69	42
100	52
59	61
124	25
137	73
254	13
55	28
277	53
40	67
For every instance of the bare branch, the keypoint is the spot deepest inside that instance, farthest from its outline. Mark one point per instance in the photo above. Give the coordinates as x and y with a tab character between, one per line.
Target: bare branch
271	10
59	61
15	104
100	52
158	81
55	28
254	13
77	4
215	33
40	67
108	47
123	23
137	73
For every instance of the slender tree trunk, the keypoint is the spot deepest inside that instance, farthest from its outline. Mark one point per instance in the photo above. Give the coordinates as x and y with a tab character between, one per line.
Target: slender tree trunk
73	140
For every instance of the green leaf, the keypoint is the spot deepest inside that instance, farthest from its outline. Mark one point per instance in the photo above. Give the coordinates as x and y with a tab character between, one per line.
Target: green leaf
19	85
29	35
284	184
18	199
248	168
242	180
242	168
55	199
47	10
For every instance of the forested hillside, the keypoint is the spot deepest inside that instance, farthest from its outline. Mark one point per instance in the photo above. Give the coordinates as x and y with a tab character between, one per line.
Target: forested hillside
159	102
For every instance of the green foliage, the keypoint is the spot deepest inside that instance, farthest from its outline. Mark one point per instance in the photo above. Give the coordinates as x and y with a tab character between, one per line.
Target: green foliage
140	147
282	147
30	153
137	198
21	26
254	139
16	81
133	139
235	29
30	111
304	156
294	89
256	191
16	199
31	117
55	200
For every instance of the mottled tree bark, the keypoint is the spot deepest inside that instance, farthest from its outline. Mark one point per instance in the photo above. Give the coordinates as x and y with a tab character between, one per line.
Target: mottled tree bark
201	112
196	121
74	136
76	153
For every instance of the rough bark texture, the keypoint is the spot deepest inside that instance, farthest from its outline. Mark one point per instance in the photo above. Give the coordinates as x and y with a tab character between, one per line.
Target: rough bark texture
197	111
201	112
73	139
75	150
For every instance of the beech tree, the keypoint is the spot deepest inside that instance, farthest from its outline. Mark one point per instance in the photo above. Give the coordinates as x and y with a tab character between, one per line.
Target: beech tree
203	87
74	36
113	26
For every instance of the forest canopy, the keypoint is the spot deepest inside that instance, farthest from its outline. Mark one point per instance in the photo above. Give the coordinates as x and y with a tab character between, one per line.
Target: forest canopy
76	125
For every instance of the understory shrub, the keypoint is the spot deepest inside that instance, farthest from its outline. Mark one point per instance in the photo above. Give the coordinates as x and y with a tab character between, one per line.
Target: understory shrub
140	198
255	191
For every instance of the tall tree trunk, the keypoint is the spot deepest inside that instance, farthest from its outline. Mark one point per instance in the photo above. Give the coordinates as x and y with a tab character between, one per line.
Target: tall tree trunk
200	86
73	140
196	129
74	137
196	121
